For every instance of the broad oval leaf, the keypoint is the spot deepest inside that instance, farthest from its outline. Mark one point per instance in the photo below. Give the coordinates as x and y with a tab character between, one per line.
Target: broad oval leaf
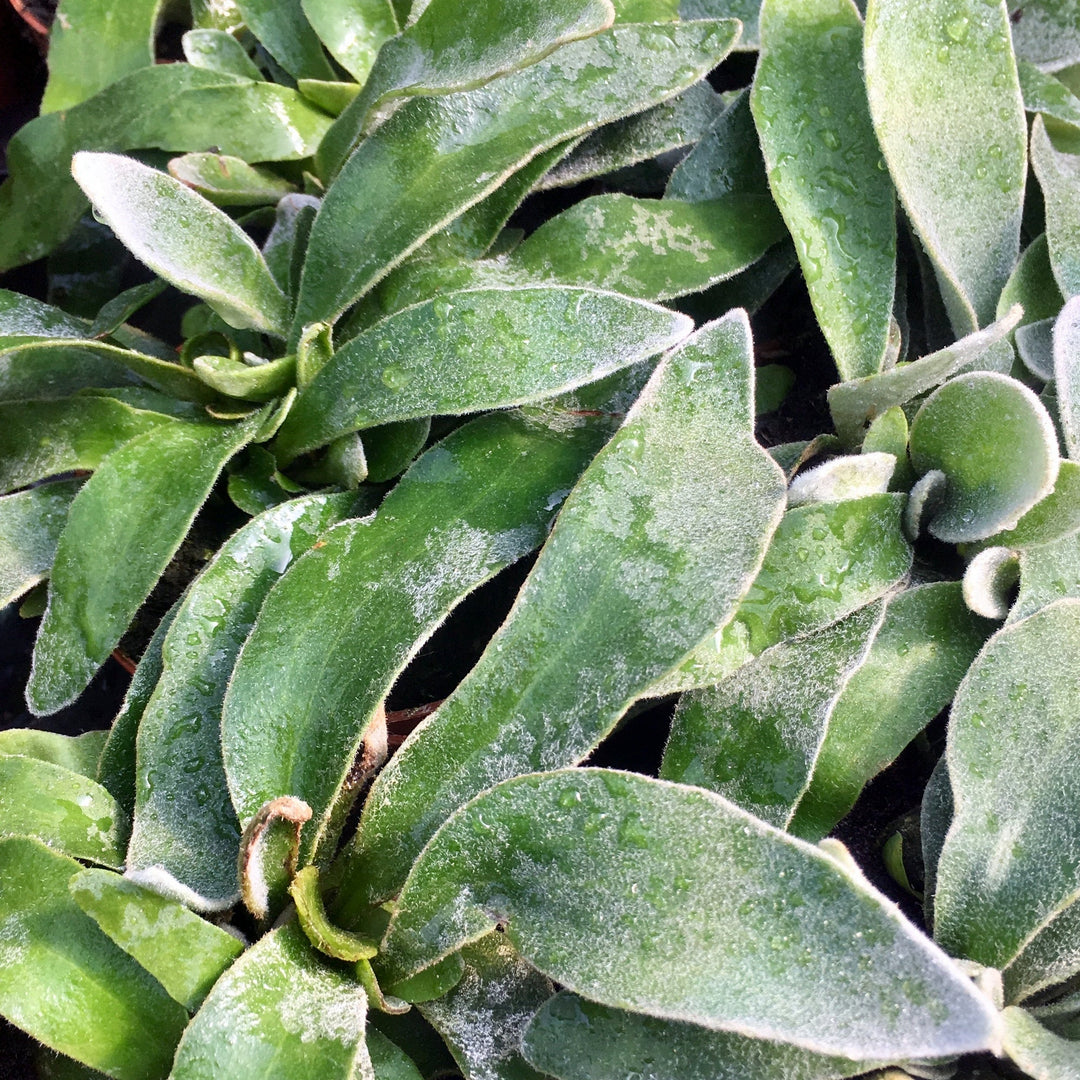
648	248
184	952
945	99
66	983
575	1039
61	808
1010	858
352	30
279	1011
218	50
809	104
144	496
503	346
458	44
852	476
659	540
185	825
1053	517
184	239
30	525
420	170
384	582
577	865
996	445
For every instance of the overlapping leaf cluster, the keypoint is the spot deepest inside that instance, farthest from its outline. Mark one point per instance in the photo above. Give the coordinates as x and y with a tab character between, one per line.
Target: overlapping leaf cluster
397	395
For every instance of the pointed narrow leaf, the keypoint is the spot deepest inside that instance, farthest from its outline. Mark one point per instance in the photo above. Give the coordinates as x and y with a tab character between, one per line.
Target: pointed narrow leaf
184	952
90	47
381	585
996	445
649	248
456	45
574	1039
61	808
184	239
279	1011
918	657
659	540
825	561
421	168
483	1018
755	737
66	983
79	753
1039	1052
809	104
577	864
853	404
945	99
1011	857
144	496
504	347
352	30
185	825
30	525
283	30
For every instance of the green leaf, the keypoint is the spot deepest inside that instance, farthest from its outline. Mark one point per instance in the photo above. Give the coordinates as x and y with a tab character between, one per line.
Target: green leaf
144	497
352	30
680	121
30	526
283	30
278	1012
79	753
648	248
919	655
458	45
574	1039
1048	572
184	952
249	382
228	181
1010	859
385	582
387	1061
391	448
744	10
852	476
184	239
505	347
825	561
990	581
659	540
1053	517
91	46
436	157
1050	958
1039	1052
755	737
1067	374
62	808
185	826
1047	95
995	442
331	97
578	866
66	983
217	50
1058	172
853	404
116	768
44	438
935	817
1035	345
174	107
24	317
483	1018
1032	285
945	98
809	104
1046	33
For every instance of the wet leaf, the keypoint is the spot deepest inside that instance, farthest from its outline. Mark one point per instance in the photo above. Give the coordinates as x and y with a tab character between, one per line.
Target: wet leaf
420	169
1010	859
184	952
30	526
1053	517
184	239
385	582
228	181
278	1011
1059	177
284	31
1048	572
217	50
577	864
79	753
145	496
66	983
504	346
352	30
1046	33
661	537
996	445
185	825
945	98
809	104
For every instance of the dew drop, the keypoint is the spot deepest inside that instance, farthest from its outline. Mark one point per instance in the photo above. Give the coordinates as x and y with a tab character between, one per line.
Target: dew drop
396	378
957	27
